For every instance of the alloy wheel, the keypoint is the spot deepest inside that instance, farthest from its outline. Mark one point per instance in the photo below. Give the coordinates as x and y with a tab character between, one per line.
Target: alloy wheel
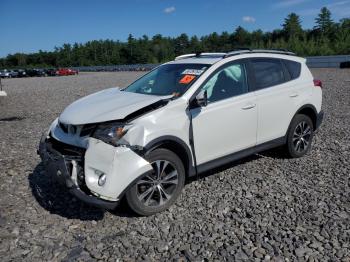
156	189
301	136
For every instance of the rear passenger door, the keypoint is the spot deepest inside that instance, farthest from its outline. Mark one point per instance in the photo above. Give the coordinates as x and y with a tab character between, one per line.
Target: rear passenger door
274	96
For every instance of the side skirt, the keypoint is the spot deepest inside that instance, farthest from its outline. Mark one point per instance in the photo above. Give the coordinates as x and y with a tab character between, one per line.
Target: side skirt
240	154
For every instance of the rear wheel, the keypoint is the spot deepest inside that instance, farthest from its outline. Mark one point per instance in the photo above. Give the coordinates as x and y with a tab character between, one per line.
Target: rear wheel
300	136
158	190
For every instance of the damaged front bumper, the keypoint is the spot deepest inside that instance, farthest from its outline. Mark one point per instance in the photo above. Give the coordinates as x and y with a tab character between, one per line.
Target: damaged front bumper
79	169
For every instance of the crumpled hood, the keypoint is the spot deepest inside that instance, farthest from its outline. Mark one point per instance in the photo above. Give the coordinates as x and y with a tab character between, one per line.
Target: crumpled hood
106	105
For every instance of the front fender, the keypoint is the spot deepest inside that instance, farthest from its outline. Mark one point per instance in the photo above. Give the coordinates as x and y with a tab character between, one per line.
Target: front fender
120	164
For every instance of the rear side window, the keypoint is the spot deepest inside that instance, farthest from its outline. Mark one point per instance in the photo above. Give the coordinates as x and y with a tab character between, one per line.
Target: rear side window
294	68
268	72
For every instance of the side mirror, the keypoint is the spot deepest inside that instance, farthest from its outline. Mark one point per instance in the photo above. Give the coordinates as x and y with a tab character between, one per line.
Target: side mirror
202	98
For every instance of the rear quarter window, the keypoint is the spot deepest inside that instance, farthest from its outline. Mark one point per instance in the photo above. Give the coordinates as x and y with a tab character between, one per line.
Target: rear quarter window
294	68
267	72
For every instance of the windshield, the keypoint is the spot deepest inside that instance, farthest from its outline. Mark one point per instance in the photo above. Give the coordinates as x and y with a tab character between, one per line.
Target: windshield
169	79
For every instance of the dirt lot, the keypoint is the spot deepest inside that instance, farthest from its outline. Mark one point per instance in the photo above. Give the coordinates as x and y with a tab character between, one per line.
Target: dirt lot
263	207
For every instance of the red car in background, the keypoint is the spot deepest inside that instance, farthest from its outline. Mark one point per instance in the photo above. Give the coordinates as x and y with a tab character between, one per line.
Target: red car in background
66	72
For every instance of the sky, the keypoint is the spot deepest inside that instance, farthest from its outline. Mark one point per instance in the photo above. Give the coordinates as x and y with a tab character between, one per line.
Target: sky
30	25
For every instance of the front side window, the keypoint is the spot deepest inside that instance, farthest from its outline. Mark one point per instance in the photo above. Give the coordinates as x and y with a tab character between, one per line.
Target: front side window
228	82
169	79
268	72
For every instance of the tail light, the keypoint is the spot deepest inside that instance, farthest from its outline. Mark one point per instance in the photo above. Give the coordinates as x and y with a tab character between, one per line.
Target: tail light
317	83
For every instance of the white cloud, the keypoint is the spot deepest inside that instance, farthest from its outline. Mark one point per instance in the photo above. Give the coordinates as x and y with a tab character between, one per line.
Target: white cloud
341	8
338	3
169	10
288	3
248	19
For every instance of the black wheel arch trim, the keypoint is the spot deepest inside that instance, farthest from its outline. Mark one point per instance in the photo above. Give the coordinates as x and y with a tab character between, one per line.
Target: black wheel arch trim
307	106
191	170
156	143
314	121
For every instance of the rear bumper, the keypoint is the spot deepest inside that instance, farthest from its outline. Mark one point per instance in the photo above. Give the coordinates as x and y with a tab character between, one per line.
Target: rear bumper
64	169
319	119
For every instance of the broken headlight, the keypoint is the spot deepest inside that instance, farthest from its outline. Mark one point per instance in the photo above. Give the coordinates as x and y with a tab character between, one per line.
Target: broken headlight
111	133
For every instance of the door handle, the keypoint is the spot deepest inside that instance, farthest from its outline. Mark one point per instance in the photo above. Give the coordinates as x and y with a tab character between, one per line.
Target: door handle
250	106
293	95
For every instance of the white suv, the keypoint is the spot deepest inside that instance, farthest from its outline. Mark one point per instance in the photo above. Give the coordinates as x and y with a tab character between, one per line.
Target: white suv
183	118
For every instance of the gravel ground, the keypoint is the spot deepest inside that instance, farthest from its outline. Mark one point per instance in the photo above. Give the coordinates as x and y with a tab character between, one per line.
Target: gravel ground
265	207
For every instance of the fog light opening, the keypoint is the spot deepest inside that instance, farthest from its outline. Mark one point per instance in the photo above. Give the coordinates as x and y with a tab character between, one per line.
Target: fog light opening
102	179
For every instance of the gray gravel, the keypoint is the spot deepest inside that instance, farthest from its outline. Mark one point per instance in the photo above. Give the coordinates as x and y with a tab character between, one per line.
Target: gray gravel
265	207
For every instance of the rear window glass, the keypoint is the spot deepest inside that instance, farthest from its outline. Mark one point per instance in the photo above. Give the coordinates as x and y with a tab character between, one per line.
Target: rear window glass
268	72
294	68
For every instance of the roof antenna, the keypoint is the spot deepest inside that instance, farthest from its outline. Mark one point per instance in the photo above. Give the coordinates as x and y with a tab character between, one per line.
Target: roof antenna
198	53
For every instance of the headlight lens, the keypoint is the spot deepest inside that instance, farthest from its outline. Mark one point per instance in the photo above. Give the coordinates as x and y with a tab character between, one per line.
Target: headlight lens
111	133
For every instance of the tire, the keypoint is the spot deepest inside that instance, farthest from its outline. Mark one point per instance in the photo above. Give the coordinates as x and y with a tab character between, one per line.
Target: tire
300	135
148	195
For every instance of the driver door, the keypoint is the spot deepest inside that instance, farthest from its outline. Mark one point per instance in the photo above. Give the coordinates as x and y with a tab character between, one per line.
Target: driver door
228	123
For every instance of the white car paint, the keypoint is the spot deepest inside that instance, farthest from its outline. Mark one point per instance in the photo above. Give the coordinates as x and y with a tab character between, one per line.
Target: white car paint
270	112
224	127
282	102
106	105
114	162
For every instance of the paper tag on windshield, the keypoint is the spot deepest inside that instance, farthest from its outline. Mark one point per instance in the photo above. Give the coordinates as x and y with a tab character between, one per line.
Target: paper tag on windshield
195	72
187	79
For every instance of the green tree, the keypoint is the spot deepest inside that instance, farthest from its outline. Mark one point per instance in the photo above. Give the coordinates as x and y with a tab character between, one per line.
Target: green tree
292	26
324	22
327	37
241	37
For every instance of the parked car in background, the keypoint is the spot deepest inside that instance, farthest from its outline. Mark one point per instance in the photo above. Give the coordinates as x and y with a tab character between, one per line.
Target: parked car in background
13	73
66	72
8	73
31	72
51	72
41	72
35	72
21	72
4	73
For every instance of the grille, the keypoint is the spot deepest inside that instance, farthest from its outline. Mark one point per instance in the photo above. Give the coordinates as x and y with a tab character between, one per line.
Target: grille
64	127
65	149
85	130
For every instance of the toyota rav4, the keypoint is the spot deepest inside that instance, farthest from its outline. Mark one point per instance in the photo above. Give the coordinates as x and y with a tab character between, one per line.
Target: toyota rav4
185	117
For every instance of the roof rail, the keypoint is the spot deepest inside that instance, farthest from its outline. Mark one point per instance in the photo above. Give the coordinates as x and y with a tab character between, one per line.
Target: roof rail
249	51
199	54
184	56
237	51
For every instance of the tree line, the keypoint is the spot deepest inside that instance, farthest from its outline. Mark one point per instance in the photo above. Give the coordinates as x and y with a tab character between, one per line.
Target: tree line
326	38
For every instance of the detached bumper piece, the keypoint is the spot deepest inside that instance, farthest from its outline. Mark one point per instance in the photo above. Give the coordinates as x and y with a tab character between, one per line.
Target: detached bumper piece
64	162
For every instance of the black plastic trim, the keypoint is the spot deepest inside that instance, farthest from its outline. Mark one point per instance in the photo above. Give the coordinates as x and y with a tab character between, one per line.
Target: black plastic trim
58	161
309	106
319	120
92	200
240	154
163	139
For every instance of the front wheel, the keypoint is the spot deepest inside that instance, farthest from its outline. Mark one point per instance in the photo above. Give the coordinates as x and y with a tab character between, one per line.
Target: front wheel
300	134
158	190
